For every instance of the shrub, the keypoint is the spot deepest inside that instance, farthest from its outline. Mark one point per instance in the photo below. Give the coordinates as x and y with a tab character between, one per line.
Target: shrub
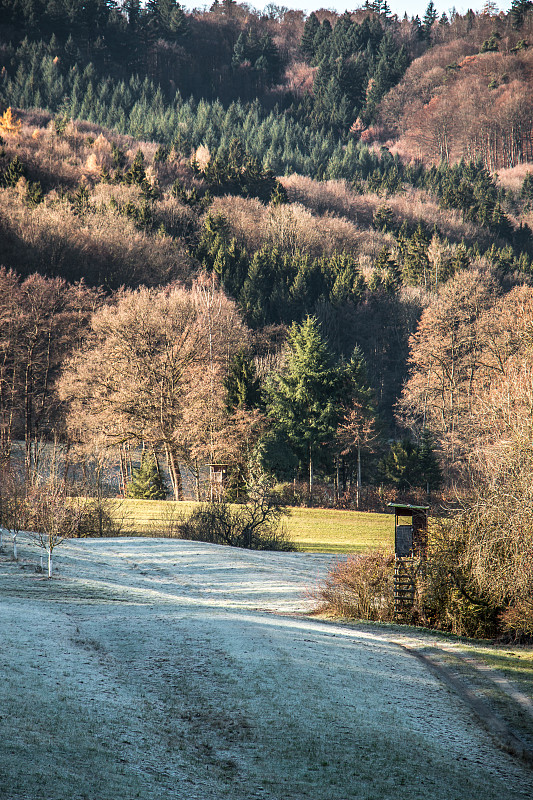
254	525
361	587
97	519
517	621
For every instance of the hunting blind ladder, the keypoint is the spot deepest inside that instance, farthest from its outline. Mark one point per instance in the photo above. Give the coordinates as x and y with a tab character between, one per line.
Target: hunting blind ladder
410	551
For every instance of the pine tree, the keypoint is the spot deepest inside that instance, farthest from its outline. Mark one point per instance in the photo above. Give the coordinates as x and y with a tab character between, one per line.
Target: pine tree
279	195
428	465
242	383
518	12
136	173
399	467
430	16
13	172
308	40
303	397
147	482
34	194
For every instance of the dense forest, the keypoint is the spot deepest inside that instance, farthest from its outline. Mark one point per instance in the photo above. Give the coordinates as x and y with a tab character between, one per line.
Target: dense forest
309	165
292	245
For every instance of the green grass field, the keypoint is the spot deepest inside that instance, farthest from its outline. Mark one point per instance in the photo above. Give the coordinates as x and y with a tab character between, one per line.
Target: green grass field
325	530
317	530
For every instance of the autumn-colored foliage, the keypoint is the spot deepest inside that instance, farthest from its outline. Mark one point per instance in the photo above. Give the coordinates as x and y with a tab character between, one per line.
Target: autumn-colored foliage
9	124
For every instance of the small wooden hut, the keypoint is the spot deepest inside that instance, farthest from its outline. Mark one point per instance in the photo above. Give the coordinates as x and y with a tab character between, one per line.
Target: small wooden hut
410	551
218	478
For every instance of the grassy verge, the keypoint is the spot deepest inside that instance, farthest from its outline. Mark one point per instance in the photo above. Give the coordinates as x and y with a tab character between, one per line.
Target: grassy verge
319	530
514	661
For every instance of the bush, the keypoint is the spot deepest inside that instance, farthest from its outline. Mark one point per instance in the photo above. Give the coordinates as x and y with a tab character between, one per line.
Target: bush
361	587
517	621
479	573
96	519
253	525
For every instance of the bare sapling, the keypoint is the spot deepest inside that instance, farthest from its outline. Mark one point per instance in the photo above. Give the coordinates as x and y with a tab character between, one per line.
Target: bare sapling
13	507
54	518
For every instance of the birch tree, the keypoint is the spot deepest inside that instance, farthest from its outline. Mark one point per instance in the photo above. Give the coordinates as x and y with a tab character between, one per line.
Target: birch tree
53	518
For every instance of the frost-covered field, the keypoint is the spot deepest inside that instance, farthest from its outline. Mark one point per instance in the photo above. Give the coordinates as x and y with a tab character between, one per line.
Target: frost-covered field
159	669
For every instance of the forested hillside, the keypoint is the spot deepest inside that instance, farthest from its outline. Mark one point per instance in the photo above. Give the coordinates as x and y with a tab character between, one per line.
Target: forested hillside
295	248
311	165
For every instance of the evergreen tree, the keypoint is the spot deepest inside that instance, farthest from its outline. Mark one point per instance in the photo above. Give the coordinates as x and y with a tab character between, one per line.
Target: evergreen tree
414	257
399	467
13	172
147	482
242	383
34	194
310	31
428	465
430	16
518	12
410	466
136	173
302	400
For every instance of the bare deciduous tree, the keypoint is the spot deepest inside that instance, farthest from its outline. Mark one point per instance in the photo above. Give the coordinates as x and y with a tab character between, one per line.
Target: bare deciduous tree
53	518
152	370
445	354
41	319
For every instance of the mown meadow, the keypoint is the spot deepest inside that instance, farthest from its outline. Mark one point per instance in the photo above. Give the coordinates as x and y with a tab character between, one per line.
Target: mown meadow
320	530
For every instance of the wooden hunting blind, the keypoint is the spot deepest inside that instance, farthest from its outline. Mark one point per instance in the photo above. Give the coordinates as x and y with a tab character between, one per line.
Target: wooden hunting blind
410	550
410	530
218	473
218	478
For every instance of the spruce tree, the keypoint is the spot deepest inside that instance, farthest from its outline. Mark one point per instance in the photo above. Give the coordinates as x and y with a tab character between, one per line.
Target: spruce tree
308	40
146	481
13	172
242	383
303	397
428	465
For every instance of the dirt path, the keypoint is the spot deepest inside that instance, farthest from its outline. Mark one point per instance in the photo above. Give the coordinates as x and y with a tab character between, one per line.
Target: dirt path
168	669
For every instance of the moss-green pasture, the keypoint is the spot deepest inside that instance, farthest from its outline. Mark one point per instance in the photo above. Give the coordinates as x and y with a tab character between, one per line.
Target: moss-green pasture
321	530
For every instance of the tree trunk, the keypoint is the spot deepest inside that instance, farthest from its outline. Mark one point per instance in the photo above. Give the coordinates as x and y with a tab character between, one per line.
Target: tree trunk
197	480
175	474
310	472
49	562
28	415
358	496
